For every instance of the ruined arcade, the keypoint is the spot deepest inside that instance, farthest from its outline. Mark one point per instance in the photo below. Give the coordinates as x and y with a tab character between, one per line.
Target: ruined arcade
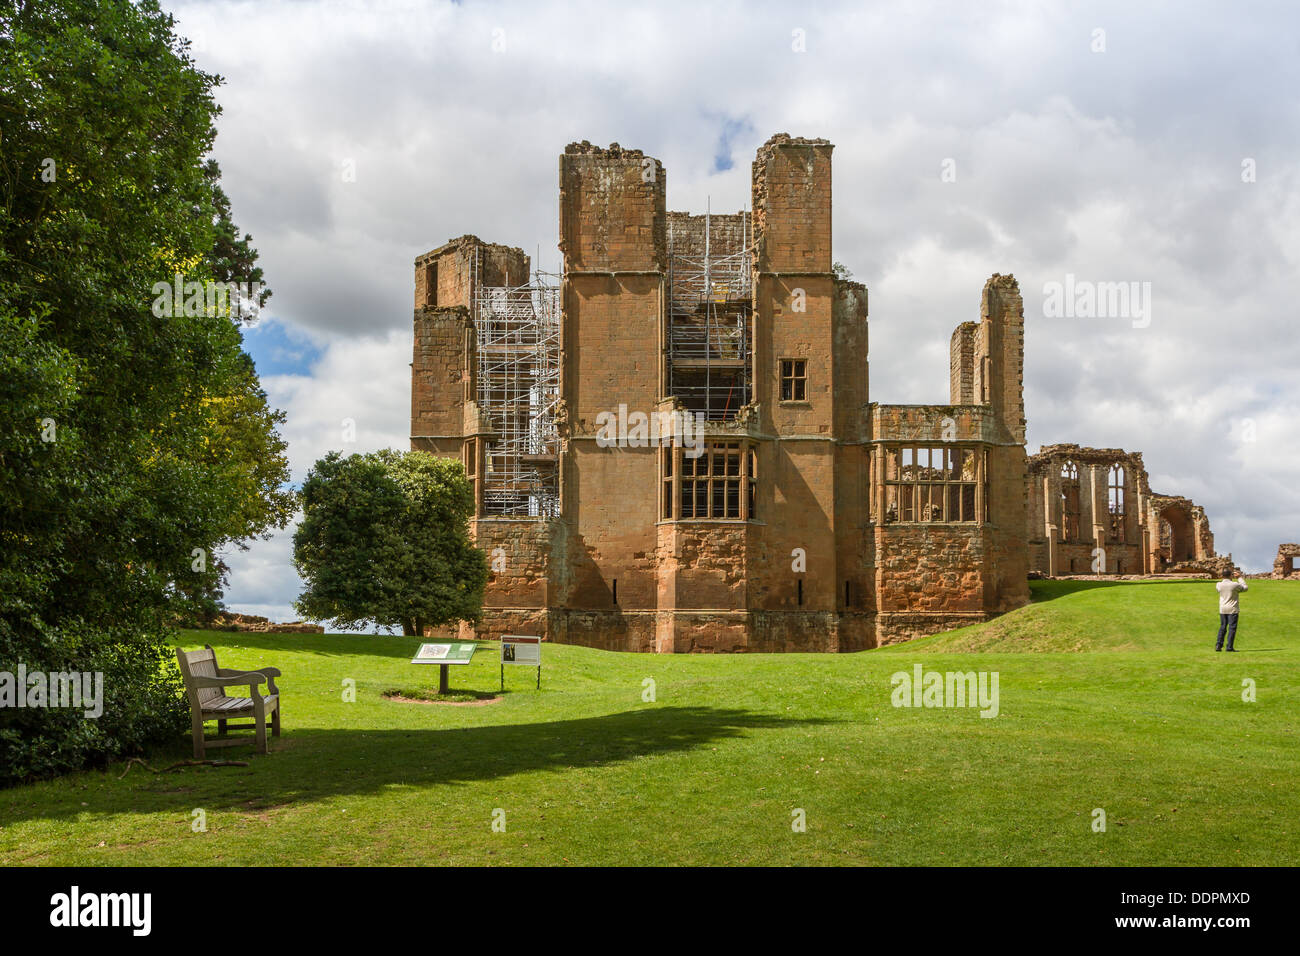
795	513
1092	510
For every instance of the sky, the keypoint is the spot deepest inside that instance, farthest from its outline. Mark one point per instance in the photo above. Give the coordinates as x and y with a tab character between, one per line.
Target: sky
1069	144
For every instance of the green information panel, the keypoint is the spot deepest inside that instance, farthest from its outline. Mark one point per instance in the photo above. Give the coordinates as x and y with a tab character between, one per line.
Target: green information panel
452	652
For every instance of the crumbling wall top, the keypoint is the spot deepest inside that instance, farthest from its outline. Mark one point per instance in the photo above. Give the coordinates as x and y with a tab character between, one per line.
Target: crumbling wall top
777	140
614	151
1051	457
466	244
1004	283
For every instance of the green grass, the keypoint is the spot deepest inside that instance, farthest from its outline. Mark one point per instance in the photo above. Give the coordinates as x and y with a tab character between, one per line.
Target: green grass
1110	696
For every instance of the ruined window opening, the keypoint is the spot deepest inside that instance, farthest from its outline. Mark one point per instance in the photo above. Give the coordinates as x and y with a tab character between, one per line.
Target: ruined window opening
891	489
431	285
932	485
1116	500
800	589
614	590
986	368
467	365
988	501
871	502
847	600
794	380
753	482
471	458
1070	512
668	454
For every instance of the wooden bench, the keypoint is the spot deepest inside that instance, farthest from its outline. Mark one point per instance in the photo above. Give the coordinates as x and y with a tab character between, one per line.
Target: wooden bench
205	686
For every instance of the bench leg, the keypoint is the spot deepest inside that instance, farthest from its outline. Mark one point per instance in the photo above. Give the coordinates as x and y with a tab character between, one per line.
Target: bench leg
275	720
221	728
196	730
259	723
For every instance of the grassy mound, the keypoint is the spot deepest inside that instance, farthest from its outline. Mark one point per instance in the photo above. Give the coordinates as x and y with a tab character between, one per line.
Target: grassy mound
1127	616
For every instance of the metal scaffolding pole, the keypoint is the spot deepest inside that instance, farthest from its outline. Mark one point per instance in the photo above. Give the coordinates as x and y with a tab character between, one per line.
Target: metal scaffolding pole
710	303
517	330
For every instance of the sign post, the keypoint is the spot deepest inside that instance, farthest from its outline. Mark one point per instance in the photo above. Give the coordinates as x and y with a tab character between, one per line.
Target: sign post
445	655
521	649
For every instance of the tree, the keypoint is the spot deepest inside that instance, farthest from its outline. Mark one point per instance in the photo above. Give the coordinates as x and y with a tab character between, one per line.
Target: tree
385	537
135	444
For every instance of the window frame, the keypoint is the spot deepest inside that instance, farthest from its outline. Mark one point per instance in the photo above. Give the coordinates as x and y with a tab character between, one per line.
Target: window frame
717	485
796	377
1116	500
912	484
1071	502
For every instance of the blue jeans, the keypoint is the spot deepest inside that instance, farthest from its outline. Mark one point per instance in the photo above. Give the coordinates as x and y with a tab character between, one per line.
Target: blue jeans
1227	622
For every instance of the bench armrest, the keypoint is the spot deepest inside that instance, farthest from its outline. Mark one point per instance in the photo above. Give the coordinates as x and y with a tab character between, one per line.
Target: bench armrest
249	679
270	673
265	671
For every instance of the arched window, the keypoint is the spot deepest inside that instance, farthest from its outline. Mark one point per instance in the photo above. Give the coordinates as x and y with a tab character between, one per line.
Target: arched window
1116	499
1069	501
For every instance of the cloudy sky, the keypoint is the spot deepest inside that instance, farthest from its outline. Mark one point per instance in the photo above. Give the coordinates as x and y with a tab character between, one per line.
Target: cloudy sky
1116	142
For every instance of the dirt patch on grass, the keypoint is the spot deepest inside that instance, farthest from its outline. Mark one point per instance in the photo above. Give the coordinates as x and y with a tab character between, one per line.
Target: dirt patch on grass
464	699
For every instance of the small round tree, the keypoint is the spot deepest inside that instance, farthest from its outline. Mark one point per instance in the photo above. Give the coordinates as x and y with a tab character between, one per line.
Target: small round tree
385	538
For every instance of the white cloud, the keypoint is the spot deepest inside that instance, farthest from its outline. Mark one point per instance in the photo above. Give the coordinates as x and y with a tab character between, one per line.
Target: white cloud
361	381
358	387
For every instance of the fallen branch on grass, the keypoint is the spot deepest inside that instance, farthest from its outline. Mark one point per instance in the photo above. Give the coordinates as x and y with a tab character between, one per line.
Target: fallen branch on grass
183	763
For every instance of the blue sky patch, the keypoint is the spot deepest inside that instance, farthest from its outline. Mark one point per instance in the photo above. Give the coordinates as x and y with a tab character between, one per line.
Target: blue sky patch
280	348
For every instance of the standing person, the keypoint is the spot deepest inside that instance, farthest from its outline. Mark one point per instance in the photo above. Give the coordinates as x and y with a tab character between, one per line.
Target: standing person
1228	607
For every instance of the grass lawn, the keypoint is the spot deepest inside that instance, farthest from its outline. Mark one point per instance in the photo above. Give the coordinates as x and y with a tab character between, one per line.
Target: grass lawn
1110	697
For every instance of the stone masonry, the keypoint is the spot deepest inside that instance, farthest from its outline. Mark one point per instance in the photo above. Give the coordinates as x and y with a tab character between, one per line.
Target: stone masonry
805	517
1092	511
1287	564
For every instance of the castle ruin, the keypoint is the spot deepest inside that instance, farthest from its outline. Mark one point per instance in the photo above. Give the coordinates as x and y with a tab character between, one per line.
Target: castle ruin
673	446
1092	511
672	443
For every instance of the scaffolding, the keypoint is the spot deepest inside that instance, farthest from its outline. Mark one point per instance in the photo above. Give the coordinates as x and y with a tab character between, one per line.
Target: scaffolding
710	303
517	331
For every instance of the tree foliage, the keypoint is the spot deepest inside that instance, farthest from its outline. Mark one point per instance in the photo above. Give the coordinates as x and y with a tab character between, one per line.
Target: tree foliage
133	445
385	538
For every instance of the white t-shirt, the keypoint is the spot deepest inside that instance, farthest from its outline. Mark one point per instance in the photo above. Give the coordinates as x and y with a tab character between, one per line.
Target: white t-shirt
1228	594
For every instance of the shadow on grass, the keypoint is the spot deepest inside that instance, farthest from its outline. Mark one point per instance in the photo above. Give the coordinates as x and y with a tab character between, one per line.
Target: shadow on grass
317	764
1049	589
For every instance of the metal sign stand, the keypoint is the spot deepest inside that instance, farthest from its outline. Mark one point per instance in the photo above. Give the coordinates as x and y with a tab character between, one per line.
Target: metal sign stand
525	649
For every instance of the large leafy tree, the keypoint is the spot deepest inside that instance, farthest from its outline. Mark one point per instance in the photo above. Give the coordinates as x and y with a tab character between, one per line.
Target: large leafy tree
385	538
134	445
